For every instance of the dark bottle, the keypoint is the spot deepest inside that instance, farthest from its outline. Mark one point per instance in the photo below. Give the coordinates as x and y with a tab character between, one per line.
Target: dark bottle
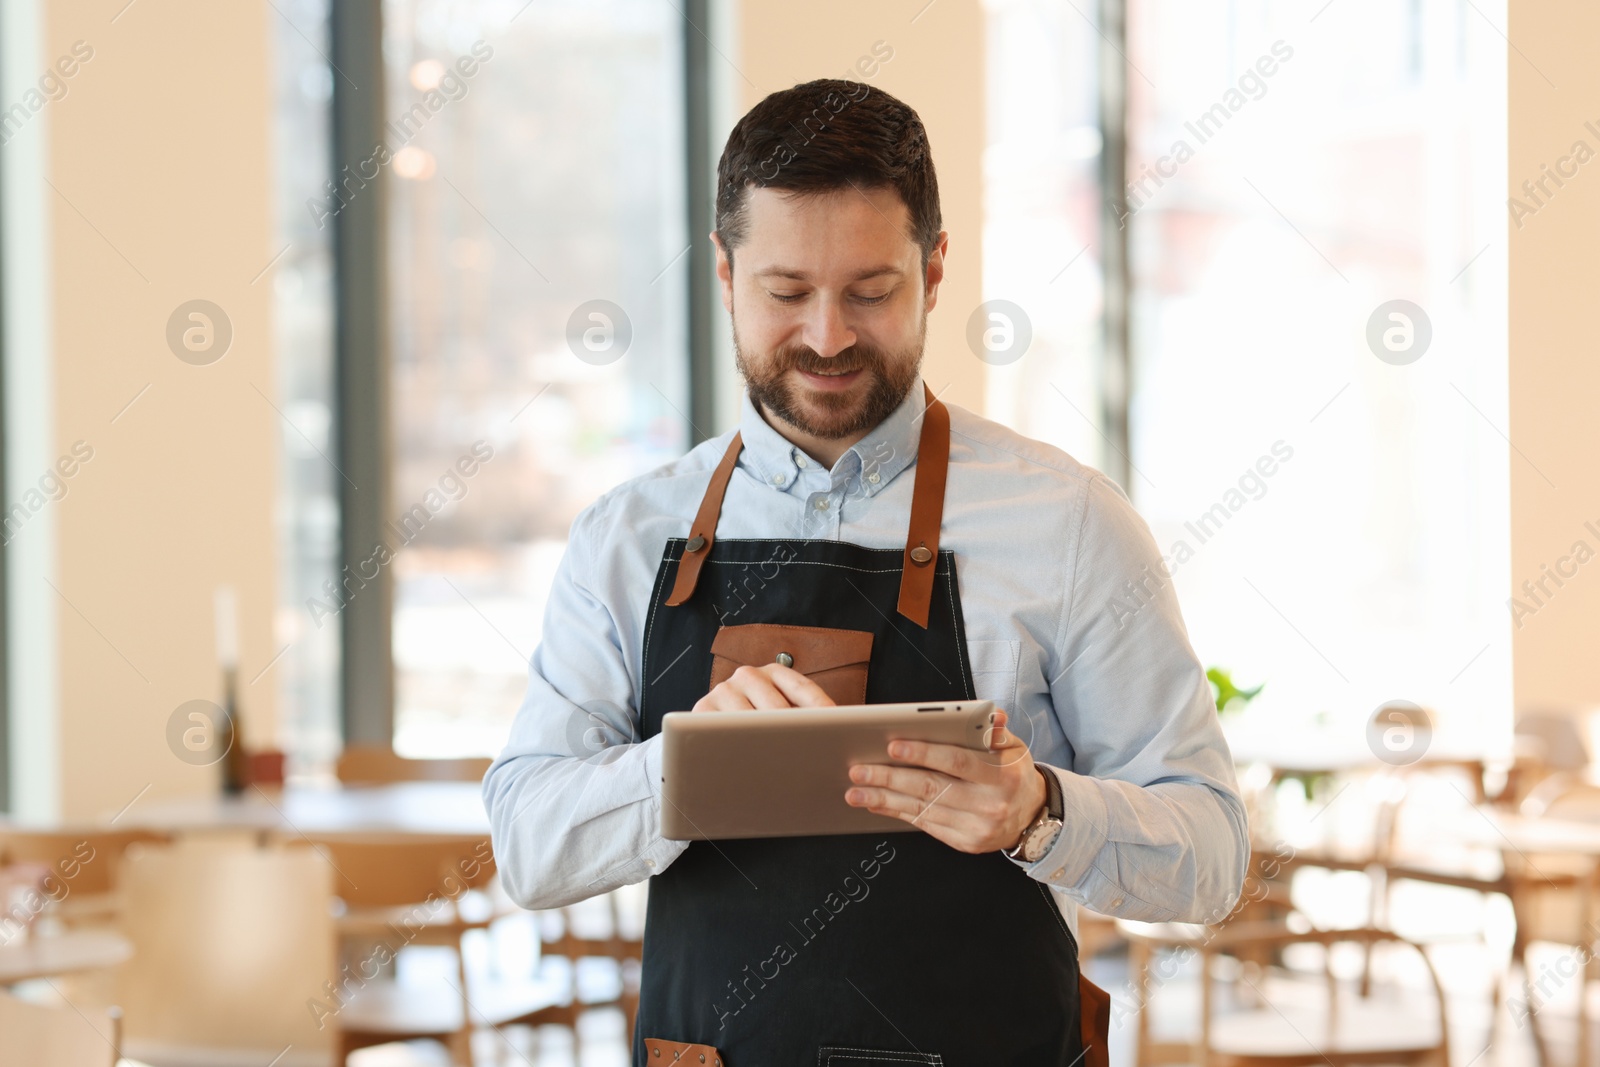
233	758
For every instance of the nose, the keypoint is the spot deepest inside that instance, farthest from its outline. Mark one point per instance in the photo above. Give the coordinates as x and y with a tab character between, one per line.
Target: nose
825	330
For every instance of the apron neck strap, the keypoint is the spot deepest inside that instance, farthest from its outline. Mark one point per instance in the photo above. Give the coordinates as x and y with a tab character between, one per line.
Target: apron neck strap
922	536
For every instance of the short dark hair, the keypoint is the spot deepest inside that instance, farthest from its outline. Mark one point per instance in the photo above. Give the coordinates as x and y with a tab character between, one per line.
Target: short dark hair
823	136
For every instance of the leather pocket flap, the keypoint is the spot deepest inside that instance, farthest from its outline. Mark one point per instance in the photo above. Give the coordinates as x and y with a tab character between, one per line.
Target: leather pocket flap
683	1053
814	648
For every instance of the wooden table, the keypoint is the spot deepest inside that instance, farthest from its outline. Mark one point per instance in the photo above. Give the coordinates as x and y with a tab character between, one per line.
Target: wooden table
58	954
413	809
1524	833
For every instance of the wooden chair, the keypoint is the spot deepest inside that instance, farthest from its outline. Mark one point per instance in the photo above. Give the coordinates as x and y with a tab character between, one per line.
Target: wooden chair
233	943
1556	897
80	867
610	927
1349	1028
41	1035
378	765
400	892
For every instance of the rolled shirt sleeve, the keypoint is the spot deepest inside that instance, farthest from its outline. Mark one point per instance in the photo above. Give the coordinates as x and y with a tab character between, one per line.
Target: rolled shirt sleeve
1154	827
574	799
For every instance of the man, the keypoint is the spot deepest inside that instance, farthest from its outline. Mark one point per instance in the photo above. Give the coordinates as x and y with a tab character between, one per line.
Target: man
981	563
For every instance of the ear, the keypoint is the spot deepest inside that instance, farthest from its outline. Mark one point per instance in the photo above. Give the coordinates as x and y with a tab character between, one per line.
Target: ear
724	272
935	272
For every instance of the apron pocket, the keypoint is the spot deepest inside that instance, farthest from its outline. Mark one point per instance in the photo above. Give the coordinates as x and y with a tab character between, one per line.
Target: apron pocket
838	1056
834	659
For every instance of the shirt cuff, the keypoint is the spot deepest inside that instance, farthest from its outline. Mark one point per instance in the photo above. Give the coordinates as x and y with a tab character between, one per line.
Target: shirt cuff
1083	831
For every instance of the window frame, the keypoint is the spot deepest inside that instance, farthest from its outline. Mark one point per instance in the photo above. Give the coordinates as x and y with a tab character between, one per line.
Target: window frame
362	350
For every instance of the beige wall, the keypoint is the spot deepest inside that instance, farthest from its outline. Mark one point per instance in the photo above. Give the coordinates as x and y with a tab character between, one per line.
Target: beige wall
937	67
160	152
1555	373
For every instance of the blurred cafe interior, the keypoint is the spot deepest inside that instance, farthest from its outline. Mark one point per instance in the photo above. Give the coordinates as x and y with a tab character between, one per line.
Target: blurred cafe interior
298	408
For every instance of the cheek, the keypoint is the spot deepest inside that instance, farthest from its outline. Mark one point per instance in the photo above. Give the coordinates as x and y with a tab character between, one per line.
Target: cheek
762	325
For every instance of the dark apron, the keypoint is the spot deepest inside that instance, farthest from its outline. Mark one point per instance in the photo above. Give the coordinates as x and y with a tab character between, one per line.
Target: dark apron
856	949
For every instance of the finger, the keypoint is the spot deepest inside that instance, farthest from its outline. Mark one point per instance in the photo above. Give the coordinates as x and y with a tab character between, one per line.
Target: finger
801	691
913	809
757	686
1005	747
953	760
746	690
723	697
925	786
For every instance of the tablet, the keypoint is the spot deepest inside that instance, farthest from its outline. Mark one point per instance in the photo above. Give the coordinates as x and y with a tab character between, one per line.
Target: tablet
783	773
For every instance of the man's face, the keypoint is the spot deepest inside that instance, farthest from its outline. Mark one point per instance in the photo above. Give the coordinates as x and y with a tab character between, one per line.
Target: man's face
829	304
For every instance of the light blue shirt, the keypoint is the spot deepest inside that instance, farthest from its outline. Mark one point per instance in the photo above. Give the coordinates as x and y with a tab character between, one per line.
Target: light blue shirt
1072	627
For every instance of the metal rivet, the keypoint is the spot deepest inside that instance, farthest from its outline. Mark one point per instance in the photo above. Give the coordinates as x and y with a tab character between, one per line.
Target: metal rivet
656	1051
785	660
702	1057
921	554
696	543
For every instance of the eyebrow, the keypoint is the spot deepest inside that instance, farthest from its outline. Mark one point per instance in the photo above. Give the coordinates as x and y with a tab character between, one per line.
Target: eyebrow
802	276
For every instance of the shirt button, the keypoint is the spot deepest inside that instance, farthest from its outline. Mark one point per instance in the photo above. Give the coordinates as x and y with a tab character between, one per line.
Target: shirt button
822	503
651	864
1117	903
1058	874
799	461
777	479
873	477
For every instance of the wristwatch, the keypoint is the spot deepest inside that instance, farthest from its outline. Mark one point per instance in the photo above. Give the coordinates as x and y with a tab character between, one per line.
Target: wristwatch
1046	826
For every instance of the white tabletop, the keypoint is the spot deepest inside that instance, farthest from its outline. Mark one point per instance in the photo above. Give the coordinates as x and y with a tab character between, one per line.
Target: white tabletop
57	954
425	809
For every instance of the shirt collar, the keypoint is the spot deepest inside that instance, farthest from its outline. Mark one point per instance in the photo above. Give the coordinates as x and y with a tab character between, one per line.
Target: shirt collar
885	451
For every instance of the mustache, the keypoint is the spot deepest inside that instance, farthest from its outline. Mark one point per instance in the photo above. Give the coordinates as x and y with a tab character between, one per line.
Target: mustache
856	357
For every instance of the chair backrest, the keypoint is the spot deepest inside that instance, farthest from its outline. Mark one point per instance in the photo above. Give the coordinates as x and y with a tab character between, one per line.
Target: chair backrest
1242	940
79	860
1554	739
386	871
233	945
378	765
1564	796
41	1035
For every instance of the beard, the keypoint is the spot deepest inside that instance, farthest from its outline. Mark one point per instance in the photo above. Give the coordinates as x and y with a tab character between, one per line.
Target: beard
888	377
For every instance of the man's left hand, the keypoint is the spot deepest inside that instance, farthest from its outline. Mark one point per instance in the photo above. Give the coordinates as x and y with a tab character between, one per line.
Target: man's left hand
973	801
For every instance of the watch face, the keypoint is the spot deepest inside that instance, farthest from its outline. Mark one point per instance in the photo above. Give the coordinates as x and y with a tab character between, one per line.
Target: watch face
1040	840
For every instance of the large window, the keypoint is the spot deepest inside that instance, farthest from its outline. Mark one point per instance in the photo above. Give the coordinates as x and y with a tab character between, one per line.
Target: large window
1335	508
537	308
1042	207
1339	476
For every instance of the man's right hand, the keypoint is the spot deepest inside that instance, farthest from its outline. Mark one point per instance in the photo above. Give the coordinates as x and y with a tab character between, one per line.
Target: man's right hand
769	686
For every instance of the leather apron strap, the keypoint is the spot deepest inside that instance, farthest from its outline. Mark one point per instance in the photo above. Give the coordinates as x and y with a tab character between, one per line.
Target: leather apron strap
922	535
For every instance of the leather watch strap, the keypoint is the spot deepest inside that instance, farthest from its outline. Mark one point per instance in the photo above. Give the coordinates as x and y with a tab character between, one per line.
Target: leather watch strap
1051	809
